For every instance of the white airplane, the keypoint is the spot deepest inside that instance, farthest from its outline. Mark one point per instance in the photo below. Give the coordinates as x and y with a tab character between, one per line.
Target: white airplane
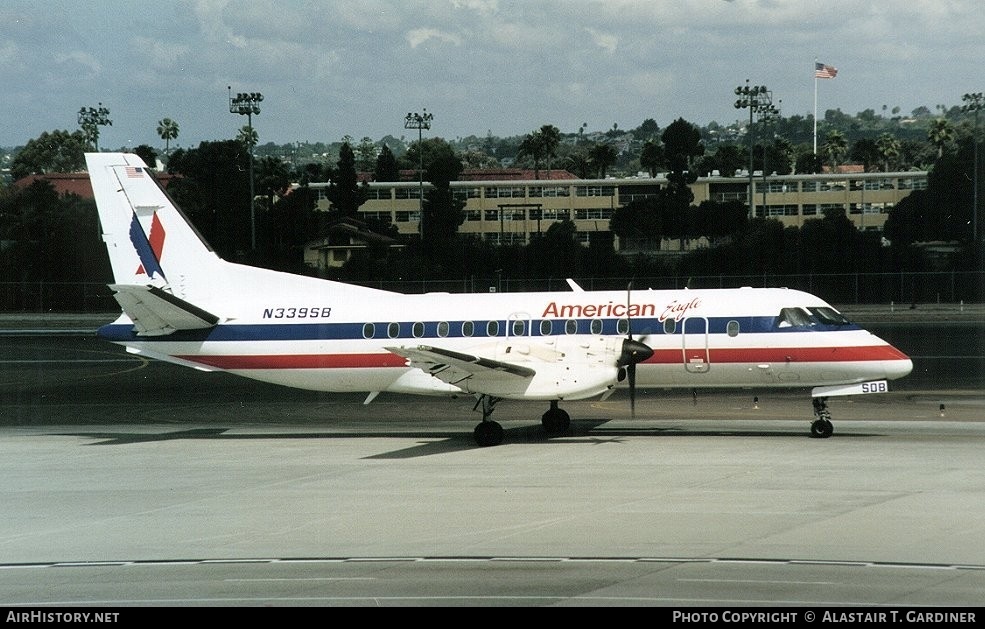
183	304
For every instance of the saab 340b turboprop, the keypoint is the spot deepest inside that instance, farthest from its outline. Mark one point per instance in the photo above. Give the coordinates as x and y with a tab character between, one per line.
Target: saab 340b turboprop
183	304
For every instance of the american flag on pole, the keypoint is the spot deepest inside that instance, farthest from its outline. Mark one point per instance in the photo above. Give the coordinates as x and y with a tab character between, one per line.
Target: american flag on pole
822	71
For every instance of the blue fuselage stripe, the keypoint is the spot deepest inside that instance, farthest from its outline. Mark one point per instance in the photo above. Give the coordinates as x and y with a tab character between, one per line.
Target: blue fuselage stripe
454	329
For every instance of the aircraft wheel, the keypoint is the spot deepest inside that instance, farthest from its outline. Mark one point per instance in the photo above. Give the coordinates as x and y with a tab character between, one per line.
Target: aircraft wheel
556	421
488	433
821	429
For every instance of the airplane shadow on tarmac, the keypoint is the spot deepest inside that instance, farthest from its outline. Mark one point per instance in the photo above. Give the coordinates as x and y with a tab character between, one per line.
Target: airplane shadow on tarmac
590	432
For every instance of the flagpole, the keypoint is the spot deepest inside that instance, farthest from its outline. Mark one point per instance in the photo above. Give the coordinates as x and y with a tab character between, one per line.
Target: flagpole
815	105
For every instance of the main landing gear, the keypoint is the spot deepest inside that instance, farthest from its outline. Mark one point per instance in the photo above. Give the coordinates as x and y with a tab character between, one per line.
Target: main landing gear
821	427
488	432
556	421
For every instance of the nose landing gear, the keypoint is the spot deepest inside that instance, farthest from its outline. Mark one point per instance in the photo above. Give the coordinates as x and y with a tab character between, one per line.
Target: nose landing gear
821	428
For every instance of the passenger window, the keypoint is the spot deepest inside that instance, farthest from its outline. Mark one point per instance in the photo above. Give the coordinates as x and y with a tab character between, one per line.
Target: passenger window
518	328
443	329
369	330
418	330
393	330
468	328
492	328
622	326
545	327
670	326
571	326
732	328
596	326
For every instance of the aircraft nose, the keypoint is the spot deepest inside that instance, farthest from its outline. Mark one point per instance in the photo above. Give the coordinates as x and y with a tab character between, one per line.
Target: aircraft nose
898	368
897	365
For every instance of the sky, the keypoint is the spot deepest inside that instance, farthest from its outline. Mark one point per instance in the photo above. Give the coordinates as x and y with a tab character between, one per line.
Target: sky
334	68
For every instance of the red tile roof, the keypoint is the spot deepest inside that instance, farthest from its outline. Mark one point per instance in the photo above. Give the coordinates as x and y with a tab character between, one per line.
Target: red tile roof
74	183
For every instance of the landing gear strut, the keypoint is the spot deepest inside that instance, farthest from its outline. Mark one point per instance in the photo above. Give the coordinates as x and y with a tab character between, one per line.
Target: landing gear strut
821	427
556	421
488	432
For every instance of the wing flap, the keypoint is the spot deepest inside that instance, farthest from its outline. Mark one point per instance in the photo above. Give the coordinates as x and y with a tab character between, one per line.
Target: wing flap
469	372
155	312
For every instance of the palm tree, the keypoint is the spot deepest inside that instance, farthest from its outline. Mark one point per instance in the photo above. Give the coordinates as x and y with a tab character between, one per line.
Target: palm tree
889	148
533	147
834	148
940	134
248	136
550	138
579	163
602	156
168	130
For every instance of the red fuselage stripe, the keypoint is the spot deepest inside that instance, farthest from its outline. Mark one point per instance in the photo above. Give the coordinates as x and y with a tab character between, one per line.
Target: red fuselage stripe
660	357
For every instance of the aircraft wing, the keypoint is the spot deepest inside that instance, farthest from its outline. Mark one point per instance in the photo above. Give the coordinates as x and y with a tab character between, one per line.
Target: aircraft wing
470	373
155	312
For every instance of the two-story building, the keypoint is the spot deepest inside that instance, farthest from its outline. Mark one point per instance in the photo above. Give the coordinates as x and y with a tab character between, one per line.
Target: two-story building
508	211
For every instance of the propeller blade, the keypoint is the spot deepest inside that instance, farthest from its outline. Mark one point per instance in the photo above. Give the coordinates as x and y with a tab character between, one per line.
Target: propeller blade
631	373
633	352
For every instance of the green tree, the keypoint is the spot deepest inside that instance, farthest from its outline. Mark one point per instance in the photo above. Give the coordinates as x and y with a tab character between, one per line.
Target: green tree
533	147
579	163
148	154
550	138
34	223
940	134
866	152
648	131
889	149
168	130
365	154
682	145
344	192
90	119
442	211
54	152
728	159
651	157
834	148
638	224
213	190
602	156
248	137
386	166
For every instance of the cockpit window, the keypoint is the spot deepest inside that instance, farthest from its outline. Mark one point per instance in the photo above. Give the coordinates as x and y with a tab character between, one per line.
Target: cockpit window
793	318
829	316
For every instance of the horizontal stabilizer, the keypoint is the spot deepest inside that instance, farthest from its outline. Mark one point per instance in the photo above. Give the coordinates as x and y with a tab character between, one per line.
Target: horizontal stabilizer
155	312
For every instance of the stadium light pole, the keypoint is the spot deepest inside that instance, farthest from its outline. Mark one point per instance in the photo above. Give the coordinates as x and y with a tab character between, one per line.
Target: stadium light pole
755	98
767	116
974	102
247	104
420	122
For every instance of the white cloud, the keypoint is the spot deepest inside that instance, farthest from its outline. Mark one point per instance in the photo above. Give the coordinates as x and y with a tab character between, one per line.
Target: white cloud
605	41
80	58
417	36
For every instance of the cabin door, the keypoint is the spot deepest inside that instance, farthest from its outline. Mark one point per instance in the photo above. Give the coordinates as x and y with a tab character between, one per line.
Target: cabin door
695	345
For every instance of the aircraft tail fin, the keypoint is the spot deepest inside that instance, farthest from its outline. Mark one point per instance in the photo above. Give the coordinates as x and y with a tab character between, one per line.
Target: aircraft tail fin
151	244
148	239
